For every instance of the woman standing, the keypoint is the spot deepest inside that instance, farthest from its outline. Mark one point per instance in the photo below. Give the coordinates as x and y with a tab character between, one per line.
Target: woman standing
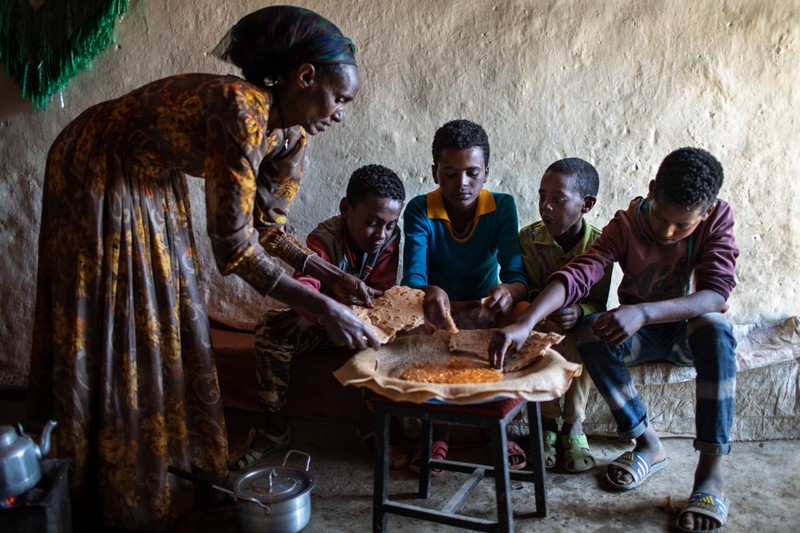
121	356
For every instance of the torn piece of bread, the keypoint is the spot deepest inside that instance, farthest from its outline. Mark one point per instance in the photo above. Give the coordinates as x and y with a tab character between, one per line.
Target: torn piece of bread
399	309
476	342
532	350
473	341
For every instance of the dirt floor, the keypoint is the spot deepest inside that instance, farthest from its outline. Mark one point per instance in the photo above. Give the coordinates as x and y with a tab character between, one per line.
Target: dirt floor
762	480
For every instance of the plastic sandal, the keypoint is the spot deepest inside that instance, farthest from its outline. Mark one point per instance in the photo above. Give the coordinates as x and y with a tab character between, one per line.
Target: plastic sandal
252	456
577	455
550	454
706	504
637	466
514	450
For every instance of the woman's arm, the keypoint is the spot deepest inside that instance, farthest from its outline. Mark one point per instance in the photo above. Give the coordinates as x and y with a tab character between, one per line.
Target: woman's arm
278	179
343	285
341	323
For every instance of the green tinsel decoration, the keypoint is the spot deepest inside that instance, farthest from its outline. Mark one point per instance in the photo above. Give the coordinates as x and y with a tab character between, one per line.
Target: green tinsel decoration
44	47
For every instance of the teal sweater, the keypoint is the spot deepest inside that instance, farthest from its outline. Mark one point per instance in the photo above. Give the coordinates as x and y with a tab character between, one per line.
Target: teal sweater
464	268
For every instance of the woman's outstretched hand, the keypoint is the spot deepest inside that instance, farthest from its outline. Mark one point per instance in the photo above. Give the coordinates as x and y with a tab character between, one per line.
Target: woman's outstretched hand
341	322
506	341
345	328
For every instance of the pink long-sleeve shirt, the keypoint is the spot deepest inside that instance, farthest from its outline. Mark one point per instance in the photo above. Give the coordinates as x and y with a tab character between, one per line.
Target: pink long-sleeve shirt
652	272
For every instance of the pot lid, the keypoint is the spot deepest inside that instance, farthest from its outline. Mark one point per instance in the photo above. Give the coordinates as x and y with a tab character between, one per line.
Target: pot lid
274	484
7	435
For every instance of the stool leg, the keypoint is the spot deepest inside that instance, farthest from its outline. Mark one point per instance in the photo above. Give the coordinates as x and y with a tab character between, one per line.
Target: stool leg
380	489
425	443
502	479
537	459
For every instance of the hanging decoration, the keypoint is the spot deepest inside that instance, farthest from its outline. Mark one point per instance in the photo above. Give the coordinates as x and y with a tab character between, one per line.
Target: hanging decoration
45	43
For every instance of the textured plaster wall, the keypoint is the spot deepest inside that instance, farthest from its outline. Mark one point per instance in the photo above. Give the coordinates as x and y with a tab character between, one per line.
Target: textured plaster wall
620	83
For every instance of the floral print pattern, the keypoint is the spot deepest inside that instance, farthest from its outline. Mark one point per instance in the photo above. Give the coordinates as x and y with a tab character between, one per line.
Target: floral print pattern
122	354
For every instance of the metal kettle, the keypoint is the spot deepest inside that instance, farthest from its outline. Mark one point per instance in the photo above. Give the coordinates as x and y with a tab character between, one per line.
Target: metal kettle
19	459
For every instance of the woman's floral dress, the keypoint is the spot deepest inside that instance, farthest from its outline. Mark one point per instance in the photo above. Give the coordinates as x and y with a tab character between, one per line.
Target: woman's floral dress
121	355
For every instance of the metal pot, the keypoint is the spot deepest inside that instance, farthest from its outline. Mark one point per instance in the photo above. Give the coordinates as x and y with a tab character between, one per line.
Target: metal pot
19	459
272	498
285	490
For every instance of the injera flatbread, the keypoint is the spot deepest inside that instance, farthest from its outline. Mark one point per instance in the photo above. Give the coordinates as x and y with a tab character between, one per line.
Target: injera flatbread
547	378
476	342
399	309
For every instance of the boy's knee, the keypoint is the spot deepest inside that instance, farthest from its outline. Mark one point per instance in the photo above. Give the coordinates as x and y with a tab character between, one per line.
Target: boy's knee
715	321
711	340
712	332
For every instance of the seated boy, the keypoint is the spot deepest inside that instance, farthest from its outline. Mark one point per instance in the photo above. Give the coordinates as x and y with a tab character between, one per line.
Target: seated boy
362	241
678	254
567	191
455	238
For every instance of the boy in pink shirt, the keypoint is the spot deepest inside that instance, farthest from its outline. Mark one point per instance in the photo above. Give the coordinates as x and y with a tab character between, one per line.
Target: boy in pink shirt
678	254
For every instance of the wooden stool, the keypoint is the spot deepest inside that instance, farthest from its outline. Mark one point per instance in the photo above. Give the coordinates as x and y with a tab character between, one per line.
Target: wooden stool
493	416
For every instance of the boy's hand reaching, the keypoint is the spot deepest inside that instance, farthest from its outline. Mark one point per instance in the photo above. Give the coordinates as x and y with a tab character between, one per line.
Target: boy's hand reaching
506	341
350	290
499	300
566	317
436	306
615	326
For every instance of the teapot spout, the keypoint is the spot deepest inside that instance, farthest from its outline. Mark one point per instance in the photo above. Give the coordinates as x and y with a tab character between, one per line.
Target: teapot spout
43	446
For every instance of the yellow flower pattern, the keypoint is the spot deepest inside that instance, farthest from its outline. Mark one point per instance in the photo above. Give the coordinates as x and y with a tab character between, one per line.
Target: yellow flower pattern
121	355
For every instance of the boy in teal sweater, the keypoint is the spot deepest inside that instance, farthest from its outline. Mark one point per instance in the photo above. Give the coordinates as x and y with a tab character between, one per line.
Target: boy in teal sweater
457	238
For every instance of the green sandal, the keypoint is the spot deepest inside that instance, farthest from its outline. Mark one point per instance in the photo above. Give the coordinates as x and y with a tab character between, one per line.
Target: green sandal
550	453
577	455
251	456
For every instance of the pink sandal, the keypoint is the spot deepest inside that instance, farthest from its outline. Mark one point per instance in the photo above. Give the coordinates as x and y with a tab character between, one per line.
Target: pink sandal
514	450
439	449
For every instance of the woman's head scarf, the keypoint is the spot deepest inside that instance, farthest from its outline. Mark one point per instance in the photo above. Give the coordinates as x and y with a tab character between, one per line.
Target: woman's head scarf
275	40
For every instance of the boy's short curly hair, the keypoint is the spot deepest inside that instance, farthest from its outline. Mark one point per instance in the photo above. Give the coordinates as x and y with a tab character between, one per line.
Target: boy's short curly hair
460	134
376	180
586	179
689	178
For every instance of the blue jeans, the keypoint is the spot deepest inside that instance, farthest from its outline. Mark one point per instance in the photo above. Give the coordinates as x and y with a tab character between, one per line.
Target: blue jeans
706	342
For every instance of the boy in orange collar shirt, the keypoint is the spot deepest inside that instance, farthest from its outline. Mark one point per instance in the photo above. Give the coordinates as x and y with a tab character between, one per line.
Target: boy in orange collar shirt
456	237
